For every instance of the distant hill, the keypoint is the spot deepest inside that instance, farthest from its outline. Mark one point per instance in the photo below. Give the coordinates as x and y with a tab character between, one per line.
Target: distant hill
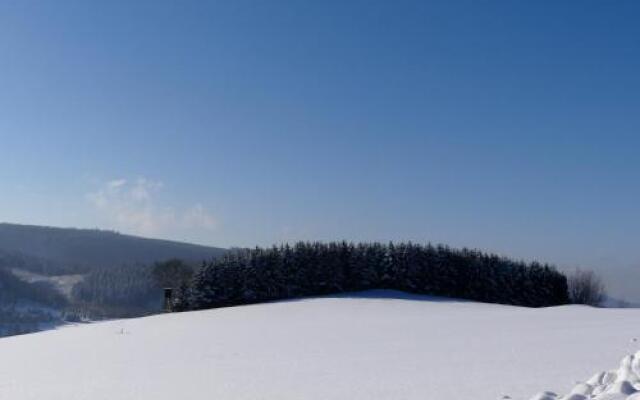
66	250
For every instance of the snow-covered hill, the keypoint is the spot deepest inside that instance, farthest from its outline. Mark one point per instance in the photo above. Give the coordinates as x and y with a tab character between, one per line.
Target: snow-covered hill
380	345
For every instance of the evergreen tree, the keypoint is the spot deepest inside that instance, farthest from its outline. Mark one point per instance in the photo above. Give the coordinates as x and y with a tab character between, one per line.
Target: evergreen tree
308	269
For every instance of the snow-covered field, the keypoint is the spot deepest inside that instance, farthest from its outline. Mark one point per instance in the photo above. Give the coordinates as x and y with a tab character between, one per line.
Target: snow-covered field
378	345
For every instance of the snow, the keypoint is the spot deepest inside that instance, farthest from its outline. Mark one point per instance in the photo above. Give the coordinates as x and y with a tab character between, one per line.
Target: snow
620	384
377	345
63	283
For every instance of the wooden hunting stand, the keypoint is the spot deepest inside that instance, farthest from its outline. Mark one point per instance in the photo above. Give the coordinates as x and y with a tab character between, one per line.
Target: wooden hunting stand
168	299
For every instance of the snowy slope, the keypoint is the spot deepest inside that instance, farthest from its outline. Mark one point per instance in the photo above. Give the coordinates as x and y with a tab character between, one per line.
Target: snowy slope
361	347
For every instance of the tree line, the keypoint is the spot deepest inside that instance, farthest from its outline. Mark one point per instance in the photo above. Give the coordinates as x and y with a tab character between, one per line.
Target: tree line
311	269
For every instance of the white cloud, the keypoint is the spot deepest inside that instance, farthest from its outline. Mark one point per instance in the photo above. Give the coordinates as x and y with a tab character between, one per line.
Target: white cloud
133	207
116	183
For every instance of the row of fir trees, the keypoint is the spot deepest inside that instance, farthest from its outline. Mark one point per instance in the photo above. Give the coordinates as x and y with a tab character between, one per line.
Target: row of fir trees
311	269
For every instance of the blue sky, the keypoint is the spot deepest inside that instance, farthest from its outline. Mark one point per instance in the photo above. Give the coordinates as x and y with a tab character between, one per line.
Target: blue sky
507	126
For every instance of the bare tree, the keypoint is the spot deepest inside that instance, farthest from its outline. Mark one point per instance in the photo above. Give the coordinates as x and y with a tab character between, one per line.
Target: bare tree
585	287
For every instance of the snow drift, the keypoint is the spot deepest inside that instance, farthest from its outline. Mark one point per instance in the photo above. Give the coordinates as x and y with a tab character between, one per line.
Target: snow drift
619	384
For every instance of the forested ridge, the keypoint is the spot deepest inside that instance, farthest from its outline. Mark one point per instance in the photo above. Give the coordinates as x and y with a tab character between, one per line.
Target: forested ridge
49	275
56	251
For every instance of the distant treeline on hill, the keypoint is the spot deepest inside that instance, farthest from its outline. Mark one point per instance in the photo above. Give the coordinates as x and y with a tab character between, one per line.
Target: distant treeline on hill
310	269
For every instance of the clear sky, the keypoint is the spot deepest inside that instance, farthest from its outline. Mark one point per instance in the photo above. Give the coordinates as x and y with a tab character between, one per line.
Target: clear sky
510	126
